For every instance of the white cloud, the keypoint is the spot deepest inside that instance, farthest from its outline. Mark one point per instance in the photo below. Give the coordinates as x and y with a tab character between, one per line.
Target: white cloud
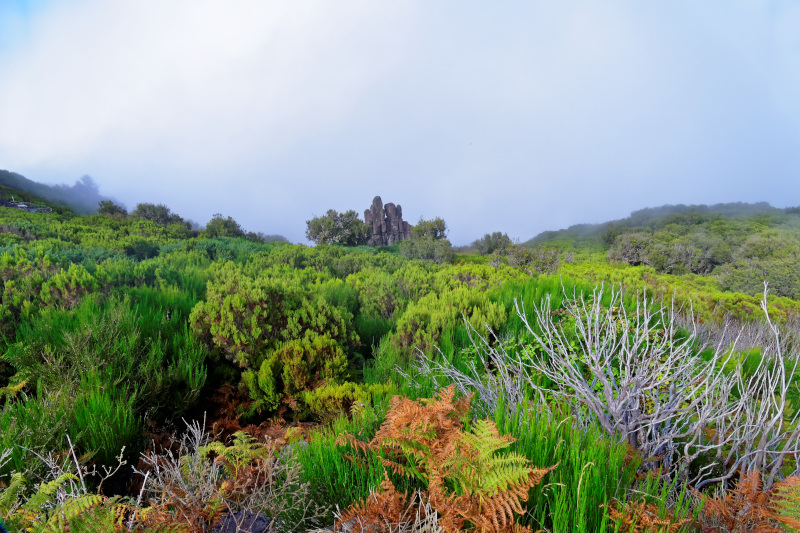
513	117
211	80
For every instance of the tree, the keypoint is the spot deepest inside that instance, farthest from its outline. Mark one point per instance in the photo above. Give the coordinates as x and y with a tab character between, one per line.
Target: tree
223	227
491	242
109	208
428	242
257	236
435	229
158	213
346	229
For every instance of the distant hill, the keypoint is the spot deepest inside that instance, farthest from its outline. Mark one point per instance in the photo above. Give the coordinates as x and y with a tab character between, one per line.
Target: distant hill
601	236
81	198
739	244
11	193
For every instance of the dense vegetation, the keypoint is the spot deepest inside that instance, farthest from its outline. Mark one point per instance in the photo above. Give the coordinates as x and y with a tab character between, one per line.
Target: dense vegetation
739	245
156	377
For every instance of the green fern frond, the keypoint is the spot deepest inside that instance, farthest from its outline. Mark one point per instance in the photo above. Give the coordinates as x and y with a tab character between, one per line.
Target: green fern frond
244	450
786	502
70	510
91	512
9	496
478	468
46	491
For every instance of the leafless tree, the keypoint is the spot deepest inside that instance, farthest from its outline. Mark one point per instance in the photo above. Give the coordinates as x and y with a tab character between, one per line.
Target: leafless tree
643	375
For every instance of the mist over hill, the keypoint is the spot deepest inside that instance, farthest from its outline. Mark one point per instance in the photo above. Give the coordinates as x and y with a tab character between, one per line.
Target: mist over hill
740	244
81	197
600	236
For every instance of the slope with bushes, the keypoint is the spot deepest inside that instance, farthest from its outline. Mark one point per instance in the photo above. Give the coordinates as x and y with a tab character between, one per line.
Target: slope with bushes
156	378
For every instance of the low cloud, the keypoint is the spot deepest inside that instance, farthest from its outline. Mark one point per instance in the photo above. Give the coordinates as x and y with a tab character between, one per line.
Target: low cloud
517	118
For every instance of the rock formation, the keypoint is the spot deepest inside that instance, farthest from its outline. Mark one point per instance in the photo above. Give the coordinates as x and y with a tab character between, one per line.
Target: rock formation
387	224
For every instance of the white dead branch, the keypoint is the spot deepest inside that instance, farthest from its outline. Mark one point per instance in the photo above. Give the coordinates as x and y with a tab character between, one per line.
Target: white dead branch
688	410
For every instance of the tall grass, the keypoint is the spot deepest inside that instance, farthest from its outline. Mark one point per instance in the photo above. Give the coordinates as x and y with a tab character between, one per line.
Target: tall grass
38	424
332	474
592	469
104	422
371	331
102	366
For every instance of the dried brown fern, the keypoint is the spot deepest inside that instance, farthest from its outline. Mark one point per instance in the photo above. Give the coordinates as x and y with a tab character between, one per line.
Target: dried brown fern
748	509
641	517
432	441
381	511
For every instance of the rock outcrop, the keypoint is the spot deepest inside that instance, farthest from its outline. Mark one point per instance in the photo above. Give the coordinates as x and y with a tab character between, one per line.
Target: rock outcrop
387	224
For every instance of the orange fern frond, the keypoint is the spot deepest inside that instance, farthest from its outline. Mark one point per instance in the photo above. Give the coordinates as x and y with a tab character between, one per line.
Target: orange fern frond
382	510
641	517
745	508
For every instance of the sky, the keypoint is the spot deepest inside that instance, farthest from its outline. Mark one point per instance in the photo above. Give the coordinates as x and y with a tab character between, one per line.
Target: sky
517	117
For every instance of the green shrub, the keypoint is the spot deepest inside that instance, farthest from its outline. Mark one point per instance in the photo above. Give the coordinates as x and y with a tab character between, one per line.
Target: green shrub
424	320
67	287
332	400
286	338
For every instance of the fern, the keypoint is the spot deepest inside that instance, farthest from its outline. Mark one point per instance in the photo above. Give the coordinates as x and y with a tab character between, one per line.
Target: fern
9	498
785	502
11	391
641	517
244	451
747	508
46	491
25	515
384	508
432	441
106	515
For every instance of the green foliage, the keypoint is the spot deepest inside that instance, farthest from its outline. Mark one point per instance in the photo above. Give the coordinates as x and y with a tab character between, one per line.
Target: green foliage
107	321
109	208
492	242
425	319
241	316
438	251
298	365
332	400
26	515
244	450
428	242
66	288
534	261
464	466
329	469
104	422
220	226
592	468
346	229
157	213
140	248
88	513
38	423
95	370
287	338
435	229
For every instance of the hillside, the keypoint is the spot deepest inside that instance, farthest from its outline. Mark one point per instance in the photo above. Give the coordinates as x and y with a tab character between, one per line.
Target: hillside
738	244
81	198
198	357
10	193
